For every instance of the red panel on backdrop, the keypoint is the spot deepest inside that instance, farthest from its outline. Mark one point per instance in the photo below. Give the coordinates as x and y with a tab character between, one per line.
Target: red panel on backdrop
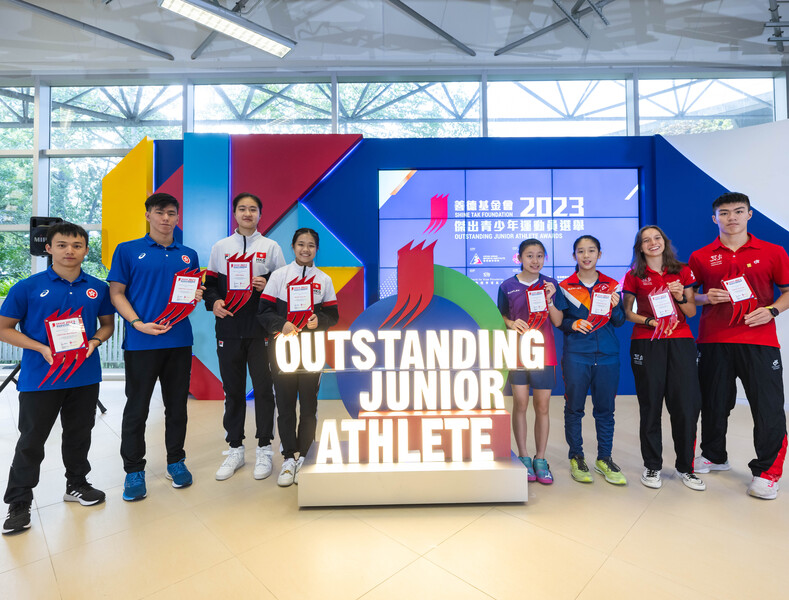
350	302
175	186
204	385
282	168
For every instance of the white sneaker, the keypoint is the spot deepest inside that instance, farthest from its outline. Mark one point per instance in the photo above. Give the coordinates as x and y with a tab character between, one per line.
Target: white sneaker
233	462
263	464
702	465
299	464
651	478
693	482
767	489
287	473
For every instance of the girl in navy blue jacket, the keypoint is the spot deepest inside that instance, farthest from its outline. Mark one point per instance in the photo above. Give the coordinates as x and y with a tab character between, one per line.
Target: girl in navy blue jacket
591	358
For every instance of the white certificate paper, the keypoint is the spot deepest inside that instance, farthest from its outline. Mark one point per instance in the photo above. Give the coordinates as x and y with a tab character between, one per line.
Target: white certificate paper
738	289
67	334
601	304
662	305
300	297
537	301
185	289
239	276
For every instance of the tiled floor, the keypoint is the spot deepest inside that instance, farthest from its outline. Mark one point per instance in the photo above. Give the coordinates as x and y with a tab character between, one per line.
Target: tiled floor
243	538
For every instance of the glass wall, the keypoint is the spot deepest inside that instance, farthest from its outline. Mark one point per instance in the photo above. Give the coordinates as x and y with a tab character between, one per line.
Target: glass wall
557	108
16	118
681	106
115	117
263	108
16	190
405	110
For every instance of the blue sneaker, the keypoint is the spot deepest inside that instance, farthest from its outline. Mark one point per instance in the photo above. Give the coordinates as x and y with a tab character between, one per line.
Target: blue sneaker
134	486
179	474
526	460
543	471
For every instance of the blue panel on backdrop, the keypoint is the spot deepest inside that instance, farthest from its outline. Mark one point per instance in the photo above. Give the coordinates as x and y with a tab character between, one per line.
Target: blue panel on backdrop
329	389
332	251
206	220
282	232
206	191
168	157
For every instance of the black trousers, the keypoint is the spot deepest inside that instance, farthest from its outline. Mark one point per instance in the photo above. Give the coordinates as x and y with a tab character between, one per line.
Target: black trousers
667	369
235	357
173	368
37	413
288	387
761	372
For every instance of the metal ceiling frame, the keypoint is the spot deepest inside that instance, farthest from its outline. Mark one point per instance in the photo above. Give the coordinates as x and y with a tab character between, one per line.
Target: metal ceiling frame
777	25
90	28
571	17
432	26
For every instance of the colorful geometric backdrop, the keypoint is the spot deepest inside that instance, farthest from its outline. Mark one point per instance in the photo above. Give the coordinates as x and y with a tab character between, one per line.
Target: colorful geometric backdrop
205	171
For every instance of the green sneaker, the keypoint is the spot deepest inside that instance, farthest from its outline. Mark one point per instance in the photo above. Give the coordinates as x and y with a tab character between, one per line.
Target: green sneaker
610	470
579	470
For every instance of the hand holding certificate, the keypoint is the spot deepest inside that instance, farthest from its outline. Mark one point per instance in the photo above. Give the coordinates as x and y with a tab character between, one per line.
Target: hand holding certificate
743	299
239	281
300	303
665	312
538	305
68	343
600	306
183	296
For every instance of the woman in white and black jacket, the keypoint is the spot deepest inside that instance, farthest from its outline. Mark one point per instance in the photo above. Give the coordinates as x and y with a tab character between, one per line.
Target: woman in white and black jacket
273	314
240	340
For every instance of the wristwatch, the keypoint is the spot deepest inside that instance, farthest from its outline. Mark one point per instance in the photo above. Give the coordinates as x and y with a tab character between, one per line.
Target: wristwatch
773	311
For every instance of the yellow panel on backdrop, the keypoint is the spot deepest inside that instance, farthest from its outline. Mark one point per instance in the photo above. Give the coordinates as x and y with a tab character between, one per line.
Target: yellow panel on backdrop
340	275
123	194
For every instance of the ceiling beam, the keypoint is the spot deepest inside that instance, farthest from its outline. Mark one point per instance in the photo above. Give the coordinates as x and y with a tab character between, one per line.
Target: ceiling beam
90	28
571	18
560	23
432	26
777	32
599	12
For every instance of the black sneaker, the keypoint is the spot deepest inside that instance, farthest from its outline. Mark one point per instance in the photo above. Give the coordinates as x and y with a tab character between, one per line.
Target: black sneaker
84	493
18	518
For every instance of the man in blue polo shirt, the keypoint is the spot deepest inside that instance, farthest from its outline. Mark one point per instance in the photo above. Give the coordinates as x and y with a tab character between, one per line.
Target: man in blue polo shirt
62	288
140	279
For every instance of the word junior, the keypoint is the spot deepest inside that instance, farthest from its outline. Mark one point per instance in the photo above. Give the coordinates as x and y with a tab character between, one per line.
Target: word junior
436	389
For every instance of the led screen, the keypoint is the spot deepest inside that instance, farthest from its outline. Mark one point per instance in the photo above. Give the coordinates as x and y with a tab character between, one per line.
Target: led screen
479	217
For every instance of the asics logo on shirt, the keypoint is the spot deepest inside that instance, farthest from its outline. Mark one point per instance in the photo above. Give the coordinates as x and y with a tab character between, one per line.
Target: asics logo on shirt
141	256
44	293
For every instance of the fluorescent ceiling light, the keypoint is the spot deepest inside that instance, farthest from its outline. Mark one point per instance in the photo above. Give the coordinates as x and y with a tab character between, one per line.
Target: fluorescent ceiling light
230	24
